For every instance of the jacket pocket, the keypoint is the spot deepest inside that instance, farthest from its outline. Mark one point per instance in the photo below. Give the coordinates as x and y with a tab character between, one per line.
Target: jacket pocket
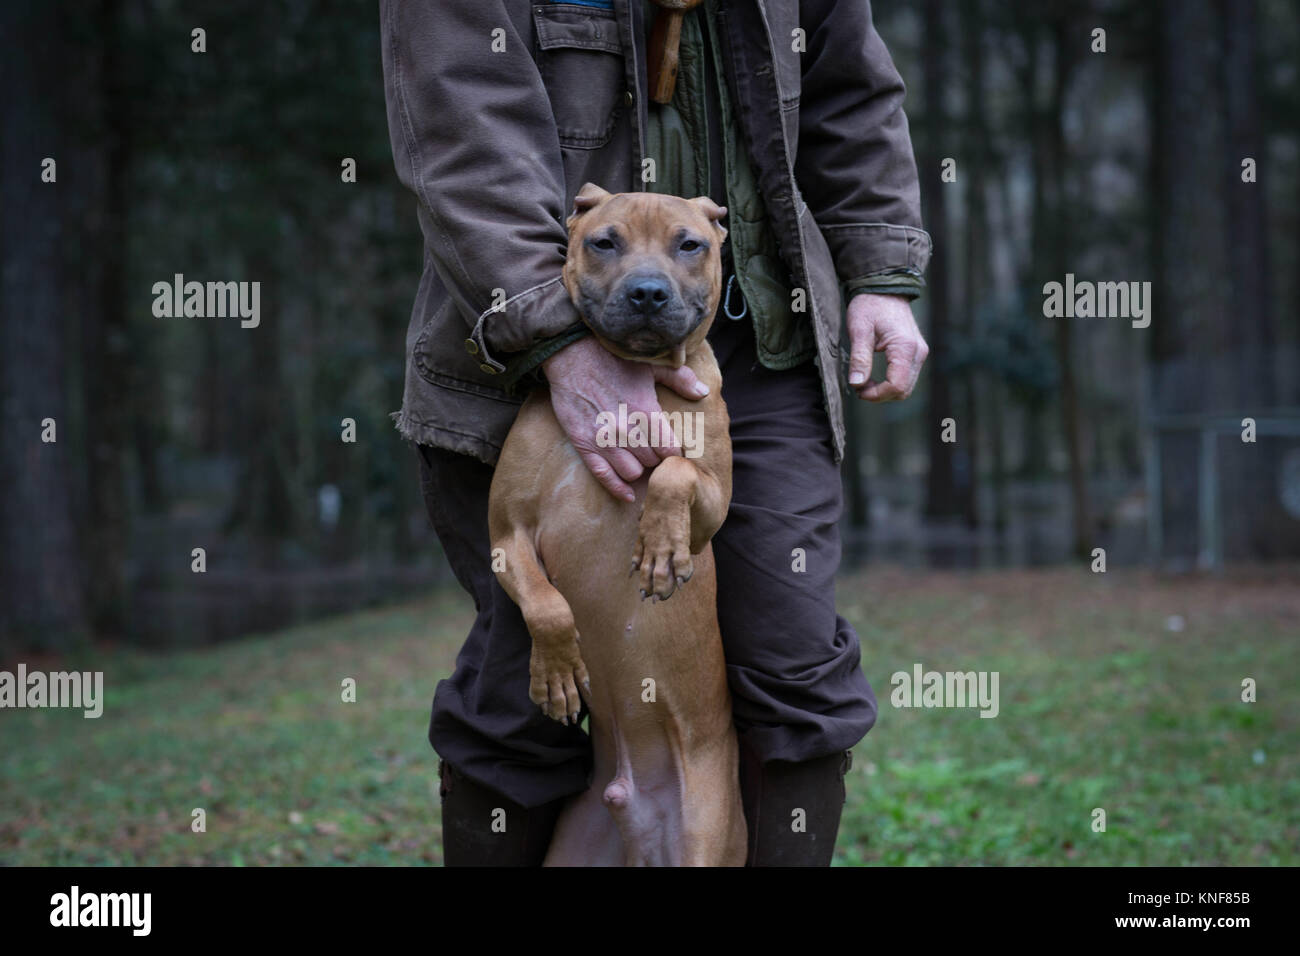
824	286
435	325
581	62
440	358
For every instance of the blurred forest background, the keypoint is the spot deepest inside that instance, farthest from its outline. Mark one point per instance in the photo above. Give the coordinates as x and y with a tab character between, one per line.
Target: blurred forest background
1072	434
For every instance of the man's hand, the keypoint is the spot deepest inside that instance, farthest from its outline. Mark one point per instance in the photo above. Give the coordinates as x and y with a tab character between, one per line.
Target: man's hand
586	380
884	323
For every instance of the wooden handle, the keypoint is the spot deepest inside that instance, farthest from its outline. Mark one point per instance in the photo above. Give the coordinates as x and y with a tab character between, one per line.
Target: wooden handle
665	47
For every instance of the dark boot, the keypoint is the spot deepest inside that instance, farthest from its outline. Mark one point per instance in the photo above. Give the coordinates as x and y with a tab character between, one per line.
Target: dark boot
772	792
468	812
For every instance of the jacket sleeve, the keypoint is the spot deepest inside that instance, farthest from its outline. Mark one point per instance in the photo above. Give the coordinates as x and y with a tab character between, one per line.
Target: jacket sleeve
474	137
855	165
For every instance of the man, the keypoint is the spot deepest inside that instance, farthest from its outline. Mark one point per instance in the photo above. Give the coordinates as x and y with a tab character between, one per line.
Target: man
789	112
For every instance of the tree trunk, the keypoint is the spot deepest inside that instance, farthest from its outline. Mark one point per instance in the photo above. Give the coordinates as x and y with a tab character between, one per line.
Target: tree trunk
940	496
105	339
1035	463
1191	290
977	271
1266	531
1058	240
40	562
1194	256
1248	246
268	428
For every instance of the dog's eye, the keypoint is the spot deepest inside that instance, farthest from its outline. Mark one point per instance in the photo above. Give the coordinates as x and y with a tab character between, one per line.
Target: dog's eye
604	244
690	245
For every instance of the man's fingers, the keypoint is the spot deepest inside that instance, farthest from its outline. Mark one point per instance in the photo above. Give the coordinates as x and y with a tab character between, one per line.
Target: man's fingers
882	392
685	383
671	446
863	347
651	439
605	474
625	463
680	380
899	379
646	456
669	443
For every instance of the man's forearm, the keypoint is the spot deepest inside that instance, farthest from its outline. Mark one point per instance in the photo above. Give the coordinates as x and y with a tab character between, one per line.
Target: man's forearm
856	167
474	138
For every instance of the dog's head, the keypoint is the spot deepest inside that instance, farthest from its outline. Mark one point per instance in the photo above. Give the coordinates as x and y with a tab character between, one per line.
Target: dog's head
645	271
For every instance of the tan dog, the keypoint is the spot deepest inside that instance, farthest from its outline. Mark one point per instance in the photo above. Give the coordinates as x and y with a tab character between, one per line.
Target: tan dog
645	272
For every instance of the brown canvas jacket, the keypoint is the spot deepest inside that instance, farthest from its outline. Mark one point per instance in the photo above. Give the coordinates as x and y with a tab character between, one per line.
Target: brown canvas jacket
499	111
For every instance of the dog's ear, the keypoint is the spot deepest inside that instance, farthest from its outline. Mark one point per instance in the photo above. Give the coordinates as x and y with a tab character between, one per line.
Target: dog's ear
714	212
589	197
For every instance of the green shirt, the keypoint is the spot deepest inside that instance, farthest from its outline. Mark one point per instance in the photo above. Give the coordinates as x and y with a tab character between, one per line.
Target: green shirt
677	140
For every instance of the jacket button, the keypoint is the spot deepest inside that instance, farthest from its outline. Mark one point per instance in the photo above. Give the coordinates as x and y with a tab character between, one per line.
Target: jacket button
487	369
471	347
629	98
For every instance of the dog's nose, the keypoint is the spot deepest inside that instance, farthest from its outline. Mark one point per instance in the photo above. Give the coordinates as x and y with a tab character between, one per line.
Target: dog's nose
647	296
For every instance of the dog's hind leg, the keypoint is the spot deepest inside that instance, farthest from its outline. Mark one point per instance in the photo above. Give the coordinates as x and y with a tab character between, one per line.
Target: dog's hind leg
556	671
585	835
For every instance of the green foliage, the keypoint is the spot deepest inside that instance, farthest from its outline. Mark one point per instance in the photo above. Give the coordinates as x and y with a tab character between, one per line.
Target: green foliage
235	174
1009	341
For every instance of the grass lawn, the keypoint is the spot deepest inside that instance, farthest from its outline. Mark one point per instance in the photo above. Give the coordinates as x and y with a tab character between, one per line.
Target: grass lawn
1119	691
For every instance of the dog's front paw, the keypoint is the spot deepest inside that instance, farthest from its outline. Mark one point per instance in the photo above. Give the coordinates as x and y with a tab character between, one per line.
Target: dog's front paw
663	552
555	673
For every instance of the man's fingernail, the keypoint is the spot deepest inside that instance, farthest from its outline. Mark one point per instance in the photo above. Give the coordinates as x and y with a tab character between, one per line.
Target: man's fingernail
701	389
856	378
